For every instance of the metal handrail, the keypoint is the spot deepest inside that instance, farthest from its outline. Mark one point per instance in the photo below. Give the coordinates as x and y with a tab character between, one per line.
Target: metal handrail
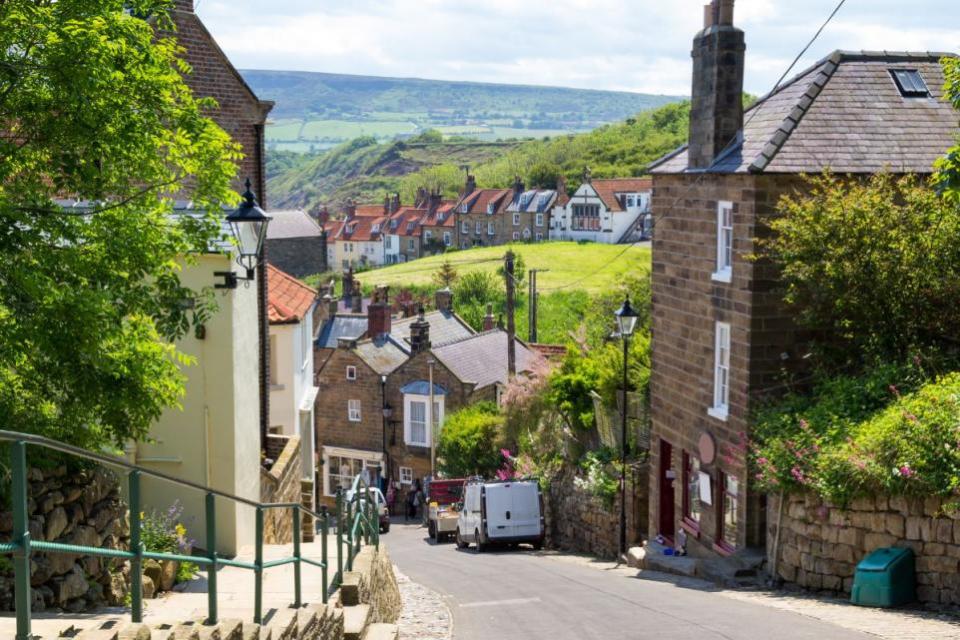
365	525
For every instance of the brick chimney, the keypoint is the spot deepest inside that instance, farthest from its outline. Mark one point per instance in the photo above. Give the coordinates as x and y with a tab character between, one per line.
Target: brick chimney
421	200
562	186
348	285
332	305
356	298
323	216
395	203
379	313
183	5
716	105
386	205
471	185
350	210
443	299
489	322
433	202
518	186
419	335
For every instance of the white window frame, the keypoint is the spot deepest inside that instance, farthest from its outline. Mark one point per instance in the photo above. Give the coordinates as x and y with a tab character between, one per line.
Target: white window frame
539	236
478	228
539	220
446	239
464	207
490	209
406	475
516	235
491	229
721	372
354	411
724	267
408	400
516	219
465	226
427	235
411	244
365	458
351	372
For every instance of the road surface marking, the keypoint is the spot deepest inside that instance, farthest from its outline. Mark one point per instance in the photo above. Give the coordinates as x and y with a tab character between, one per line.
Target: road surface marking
499	603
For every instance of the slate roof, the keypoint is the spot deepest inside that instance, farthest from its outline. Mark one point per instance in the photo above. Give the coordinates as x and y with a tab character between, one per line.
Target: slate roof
341	326
383	354
478	200
608	190
444	327
531	201
846	113
482	358
288	299
292	224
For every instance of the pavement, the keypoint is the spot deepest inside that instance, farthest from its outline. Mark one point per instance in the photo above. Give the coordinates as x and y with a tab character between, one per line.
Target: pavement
522	594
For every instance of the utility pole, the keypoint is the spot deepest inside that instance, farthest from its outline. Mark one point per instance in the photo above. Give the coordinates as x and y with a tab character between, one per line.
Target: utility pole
511	324
534	303
531	331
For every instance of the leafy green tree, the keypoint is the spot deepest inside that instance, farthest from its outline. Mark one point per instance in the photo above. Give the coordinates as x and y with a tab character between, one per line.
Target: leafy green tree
948	176
95	109
544	175
470	442
870	268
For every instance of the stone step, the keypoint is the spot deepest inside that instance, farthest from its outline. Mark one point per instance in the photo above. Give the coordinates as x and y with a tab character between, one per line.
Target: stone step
654	559
382	631
307	623
350	589
135	632
282	624
255	632
355	620
231	629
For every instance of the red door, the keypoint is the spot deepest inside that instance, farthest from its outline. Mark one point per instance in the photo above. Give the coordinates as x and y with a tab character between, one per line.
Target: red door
665	489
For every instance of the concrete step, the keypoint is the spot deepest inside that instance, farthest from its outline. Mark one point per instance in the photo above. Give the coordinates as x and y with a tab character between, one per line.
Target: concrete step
255	632
382	631
307	623
135	632
355	620
231	629
350	589
654	559
282	625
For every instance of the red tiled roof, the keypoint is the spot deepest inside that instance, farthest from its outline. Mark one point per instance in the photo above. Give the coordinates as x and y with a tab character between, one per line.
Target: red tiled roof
408	221
361	229
288	299
369	210
607	190
442	217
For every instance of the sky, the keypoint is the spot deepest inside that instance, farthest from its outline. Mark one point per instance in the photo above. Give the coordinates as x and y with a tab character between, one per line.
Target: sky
629	45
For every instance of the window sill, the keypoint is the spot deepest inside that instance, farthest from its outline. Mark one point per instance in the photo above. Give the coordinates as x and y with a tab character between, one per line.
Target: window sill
719	413
691	527
725	276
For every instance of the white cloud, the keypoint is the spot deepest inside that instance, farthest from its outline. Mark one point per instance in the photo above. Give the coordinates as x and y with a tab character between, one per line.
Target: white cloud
639	45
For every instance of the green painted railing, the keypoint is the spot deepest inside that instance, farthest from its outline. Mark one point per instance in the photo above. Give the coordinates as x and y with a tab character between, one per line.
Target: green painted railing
358	516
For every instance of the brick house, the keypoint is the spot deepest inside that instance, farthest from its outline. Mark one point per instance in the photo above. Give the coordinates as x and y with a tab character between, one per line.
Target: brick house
375	391
296	243
720	335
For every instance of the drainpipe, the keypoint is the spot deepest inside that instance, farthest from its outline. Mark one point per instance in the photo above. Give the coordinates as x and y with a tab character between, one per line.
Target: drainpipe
388	472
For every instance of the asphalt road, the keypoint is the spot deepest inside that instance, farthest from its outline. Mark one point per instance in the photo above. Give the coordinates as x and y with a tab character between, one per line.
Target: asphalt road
521	595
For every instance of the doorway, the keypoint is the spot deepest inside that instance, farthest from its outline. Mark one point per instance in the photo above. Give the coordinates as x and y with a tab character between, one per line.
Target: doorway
665	490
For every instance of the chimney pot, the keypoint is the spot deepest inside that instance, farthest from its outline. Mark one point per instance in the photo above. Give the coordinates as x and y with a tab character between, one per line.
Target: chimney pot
443	299
489	323
379	313
707	15
725	12
419	334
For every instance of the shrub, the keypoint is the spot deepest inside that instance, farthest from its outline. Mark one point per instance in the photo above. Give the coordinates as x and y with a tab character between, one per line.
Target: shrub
163	532
470	442
602	475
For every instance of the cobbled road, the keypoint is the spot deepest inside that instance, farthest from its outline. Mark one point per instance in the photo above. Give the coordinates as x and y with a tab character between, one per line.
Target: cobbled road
524	595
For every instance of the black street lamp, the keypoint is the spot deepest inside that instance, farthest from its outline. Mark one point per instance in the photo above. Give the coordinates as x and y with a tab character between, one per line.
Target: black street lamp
249	226
626	323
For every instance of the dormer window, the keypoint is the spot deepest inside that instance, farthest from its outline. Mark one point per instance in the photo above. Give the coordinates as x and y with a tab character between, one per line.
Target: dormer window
490	209
464	207
910	83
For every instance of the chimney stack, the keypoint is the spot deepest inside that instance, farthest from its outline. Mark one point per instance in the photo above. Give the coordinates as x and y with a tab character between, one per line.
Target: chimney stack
471	185
332	305
419	335
443	299
716	105
183	5
562	186
348	285
489	323
421	200
356	298
378	313
434	200
350	210
518	186
394	204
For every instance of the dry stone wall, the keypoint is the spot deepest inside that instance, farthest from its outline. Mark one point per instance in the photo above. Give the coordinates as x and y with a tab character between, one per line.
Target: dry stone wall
820	544
82	508
576	520
281	484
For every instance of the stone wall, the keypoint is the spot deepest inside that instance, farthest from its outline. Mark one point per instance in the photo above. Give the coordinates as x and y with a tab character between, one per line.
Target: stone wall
299	257
281	484
83	508
576	520
820	545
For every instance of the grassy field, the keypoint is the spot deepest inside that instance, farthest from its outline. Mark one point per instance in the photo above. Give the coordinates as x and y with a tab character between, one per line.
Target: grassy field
592	268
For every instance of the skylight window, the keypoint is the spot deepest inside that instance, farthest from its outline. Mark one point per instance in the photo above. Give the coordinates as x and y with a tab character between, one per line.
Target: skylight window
910	83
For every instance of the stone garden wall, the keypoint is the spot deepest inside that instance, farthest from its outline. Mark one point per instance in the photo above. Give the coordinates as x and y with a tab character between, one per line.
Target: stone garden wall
281	484
576	520
820	545
81	508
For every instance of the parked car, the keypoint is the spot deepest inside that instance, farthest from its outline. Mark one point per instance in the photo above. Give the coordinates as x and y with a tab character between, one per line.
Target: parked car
382	510
508	512
443	496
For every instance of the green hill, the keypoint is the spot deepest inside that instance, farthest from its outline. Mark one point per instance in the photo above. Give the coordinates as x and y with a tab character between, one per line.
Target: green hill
364	169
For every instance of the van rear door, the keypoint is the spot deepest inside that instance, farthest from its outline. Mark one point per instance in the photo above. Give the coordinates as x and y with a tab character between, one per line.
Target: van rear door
499	510
525	514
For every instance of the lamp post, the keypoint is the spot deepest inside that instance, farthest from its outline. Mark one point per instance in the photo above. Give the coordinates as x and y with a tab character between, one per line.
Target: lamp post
626	323
248	223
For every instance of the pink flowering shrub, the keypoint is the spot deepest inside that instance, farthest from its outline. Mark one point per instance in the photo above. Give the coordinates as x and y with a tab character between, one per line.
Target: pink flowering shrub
865	435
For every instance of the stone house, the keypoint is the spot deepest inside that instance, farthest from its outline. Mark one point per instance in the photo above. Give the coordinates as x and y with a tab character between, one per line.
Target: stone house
607	211
296	244
720	335
479	219
526	214
492	217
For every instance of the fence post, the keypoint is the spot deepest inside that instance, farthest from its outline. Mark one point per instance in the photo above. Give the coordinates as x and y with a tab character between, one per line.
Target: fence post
136	546
339	575
324	529
21	537
297	601
212	554
350	519
258	572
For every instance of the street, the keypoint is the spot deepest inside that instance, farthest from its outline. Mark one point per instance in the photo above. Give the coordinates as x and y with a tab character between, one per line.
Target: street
521	595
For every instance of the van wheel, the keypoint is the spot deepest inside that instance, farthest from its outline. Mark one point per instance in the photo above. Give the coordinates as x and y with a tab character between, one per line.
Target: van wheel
538	545
481	547
460	543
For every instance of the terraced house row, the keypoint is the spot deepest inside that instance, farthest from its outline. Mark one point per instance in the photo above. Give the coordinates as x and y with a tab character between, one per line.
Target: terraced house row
609	211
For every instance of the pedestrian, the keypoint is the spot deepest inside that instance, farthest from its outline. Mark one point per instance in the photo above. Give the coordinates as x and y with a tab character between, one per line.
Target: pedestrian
418	502
411	510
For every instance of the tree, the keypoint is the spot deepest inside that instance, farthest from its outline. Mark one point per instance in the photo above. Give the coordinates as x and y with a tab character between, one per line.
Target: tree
470	442
948	167
871	268
95	109
446	275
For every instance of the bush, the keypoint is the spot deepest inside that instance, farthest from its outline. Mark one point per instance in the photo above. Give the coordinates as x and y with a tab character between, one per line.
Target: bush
895	430
602	479
470	442
163	532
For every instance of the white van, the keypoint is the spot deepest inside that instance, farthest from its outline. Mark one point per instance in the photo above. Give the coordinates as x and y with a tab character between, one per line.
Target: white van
501	512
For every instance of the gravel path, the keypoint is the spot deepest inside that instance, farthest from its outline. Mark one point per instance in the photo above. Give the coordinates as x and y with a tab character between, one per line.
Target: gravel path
425	615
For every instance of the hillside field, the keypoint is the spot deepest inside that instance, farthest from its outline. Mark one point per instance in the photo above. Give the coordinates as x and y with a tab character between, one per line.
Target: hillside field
571	266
